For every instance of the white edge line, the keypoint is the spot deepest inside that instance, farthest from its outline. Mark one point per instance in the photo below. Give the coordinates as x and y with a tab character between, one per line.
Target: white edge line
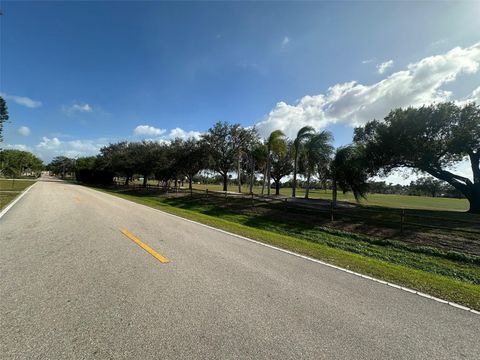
17	199
458	306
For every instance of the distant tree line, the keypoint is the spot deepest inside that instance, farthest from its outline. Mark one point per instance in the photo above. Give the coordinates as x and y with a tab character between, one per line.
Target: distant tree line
430	140
18	163
423	186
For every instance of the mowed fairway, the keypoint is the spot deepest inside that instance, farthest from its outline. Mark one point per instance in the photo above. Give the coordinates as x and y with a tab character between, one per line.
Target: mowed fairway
384	200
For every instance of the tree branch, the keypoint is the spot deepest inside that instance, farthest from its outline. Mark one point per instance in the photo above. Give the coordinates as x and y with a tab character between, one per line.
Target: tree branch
457	181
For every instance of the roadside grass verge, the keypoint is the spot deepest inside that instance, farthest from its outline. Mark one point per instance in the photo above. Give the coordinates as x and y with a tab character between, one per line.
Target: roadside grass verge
6	198
450	276
14	185
10	189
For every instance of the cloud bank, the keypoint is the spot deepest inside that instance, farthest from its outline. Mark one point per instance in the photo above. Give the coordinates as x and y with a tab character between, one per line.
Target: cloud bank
354	104
151	133
48	148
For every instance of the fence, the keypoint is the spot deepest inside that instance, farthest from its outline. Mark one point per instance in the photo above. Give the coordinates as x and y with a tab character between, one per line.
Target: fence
400	219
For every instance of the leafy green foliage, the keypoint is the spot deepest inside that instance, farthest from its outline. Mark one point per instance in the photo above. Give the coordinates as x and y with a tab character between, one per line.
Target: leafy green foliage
275	145
302	135
348	171
316	152
225	143
282	165
431	139
61	165
3	116
14	163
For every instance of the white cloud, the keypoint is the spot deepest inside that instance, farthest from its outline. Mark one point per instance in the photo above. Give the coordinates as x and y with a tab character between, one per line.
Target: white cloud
77	108
285	41
381	68
22	100
82	108
17	147
24	130
367	61
48	148
49	144
354	103
182	134
148	130
161	135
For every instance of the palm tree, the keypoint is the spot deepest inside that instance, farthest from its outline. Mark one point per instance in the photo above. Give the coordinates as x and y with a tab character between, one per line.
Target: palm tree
281	165
276	143
258	159
348	172
317	149
303	134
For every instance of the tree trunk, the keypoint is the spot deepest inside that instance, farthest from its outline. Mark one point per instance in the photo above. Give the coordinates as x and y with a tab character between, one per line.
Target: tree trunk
475	164
225	182
307	190
334	193
472	194
190	185
252	176
467	188
268	174
264	180
239	170
277	187
145	176
294	183
127	180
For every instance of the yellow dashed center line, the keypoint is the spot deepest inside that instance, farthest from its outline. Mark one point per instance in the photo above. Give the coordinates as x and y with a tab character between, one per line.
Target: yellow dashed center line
144	246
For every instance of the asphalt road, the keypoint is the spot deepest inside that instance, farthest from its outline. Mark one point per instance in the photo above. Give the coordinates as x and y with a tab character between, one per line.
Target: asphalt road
72	286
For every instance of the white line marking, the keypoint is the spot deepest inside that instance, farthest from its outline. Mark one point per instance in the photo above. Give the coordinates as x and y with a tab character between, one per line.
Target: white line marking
17	199
458	306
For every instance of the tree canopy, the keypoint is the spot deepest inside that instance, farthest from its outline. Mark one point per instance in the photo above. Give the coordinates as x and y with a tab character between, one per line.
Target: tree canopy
224	143
61	165
349	172
17	162
431	139
3	116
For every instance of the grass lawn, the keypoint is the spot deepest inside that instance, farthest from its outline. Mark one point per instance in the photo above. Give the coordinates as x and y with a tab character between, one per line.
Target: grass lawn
385	200
14	185
453	276
9	190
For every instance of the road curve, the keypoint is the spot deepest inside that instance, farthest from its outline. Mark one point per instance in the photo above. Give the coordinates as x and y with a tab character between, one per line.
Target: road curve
72	286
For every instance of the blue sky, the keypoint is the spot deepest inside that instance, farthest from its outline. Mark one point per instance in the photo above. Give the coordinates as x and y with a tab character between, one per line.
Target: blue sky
77	75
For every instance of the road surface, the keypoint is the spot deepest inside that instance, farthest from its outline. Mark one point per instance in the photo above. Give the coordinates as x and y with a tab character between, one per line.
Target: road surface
73	286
